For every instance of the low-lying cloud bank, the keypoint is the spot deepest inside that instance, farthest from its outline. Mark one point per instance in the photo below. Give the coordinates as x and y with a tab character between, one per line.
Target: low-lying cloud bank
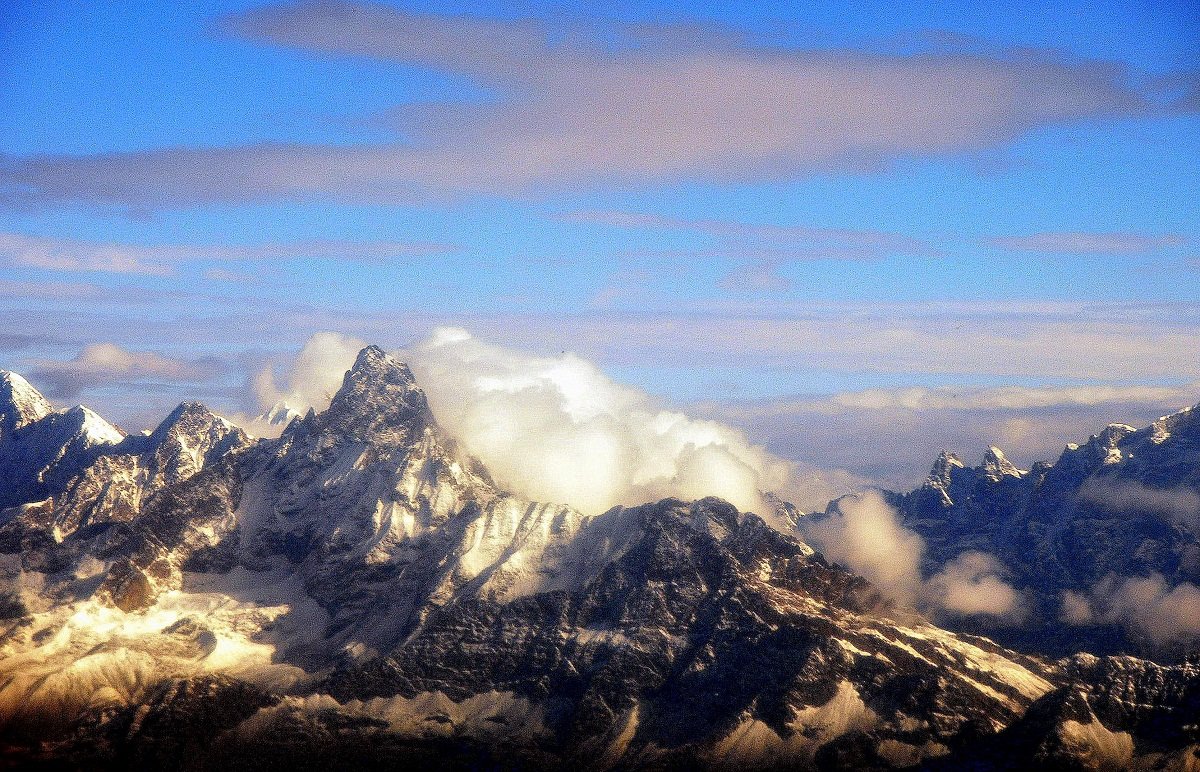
1149	605
558	429
1175	505
892	436
865	534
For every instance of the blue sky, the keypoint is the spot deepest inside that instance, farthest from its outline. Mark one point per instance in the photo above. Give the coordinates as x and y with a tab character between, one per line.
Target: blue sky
732	206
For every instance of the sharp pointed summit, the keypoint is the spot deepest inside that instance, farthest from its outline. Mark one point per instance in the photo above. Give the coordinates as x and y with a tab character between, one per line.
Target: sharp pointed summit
41	449
379	402
20	403
996	467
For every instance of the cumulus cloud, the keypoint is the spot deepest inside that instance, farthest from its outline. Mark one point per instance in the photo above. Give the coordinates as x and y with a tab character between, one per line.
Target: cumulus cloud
1147	605
606	103
558	429
75	255
1178	505
100	364
973	583
1076	609
1116	243
309	381
864	533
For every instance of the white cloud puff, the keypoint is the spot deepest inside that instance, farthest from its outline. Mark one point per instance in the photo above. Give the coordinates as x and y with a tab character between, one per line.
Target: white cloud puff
972	583
556	428
1147	605
865	534
310	381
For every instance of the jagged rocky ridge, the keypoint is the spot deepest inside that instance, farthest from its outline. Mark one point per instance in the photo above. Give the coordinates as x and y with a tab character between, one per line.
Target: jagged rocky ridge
1126	503
360	592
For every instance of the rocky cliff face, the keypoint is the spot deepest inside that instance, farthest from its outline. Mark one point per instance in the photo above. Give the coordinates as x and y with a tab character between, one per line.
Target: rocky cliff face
360	591
1110	713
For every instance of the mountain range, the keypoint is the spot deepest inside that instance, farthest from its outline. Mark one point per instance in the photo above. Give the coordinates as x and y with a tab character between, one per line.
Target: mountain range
360	592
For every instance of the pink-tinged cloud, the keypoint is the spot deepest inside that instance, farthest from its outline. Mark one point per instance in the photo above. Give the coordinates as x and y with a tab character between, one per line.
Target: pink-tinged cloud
100	364
604	105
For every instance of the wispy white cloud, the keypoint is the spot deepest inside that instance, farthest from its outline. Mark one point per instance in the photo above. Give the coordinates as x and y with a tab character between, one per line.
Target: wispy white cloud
864	533
973	583
760	252
802	241
1176	505
1114	243
892	435
49	290
57	254
596	104
75	255
755	277
945	398
309	380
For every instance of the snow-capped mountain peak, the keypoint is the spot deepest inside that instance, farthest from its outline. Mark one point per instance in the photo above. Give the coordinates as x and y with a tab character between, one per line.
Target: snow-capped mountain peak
995	466
360	588
40	448
378	403
20	403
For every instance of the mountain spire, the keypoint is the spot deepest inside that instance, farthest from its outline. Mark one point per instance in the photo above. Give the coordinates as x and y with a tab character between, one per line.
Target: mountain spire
379	402
996	467
20	403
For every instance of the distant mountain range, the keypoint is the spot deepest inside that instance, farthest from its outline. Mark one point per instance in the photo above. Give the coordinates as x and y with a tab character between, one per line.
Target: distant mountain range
361	593
1107	525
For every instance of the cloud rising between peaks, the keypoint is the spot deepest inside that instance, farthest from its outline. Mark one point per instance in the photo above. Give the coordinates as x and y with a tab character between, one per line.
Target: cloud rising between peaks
556	428
864	533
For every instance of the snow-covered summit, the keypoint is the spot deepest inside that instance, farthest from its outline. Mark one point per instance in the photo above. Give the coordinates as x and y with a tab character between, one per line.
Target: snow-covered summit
996	467
943	467
378	403
20	403
40	448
